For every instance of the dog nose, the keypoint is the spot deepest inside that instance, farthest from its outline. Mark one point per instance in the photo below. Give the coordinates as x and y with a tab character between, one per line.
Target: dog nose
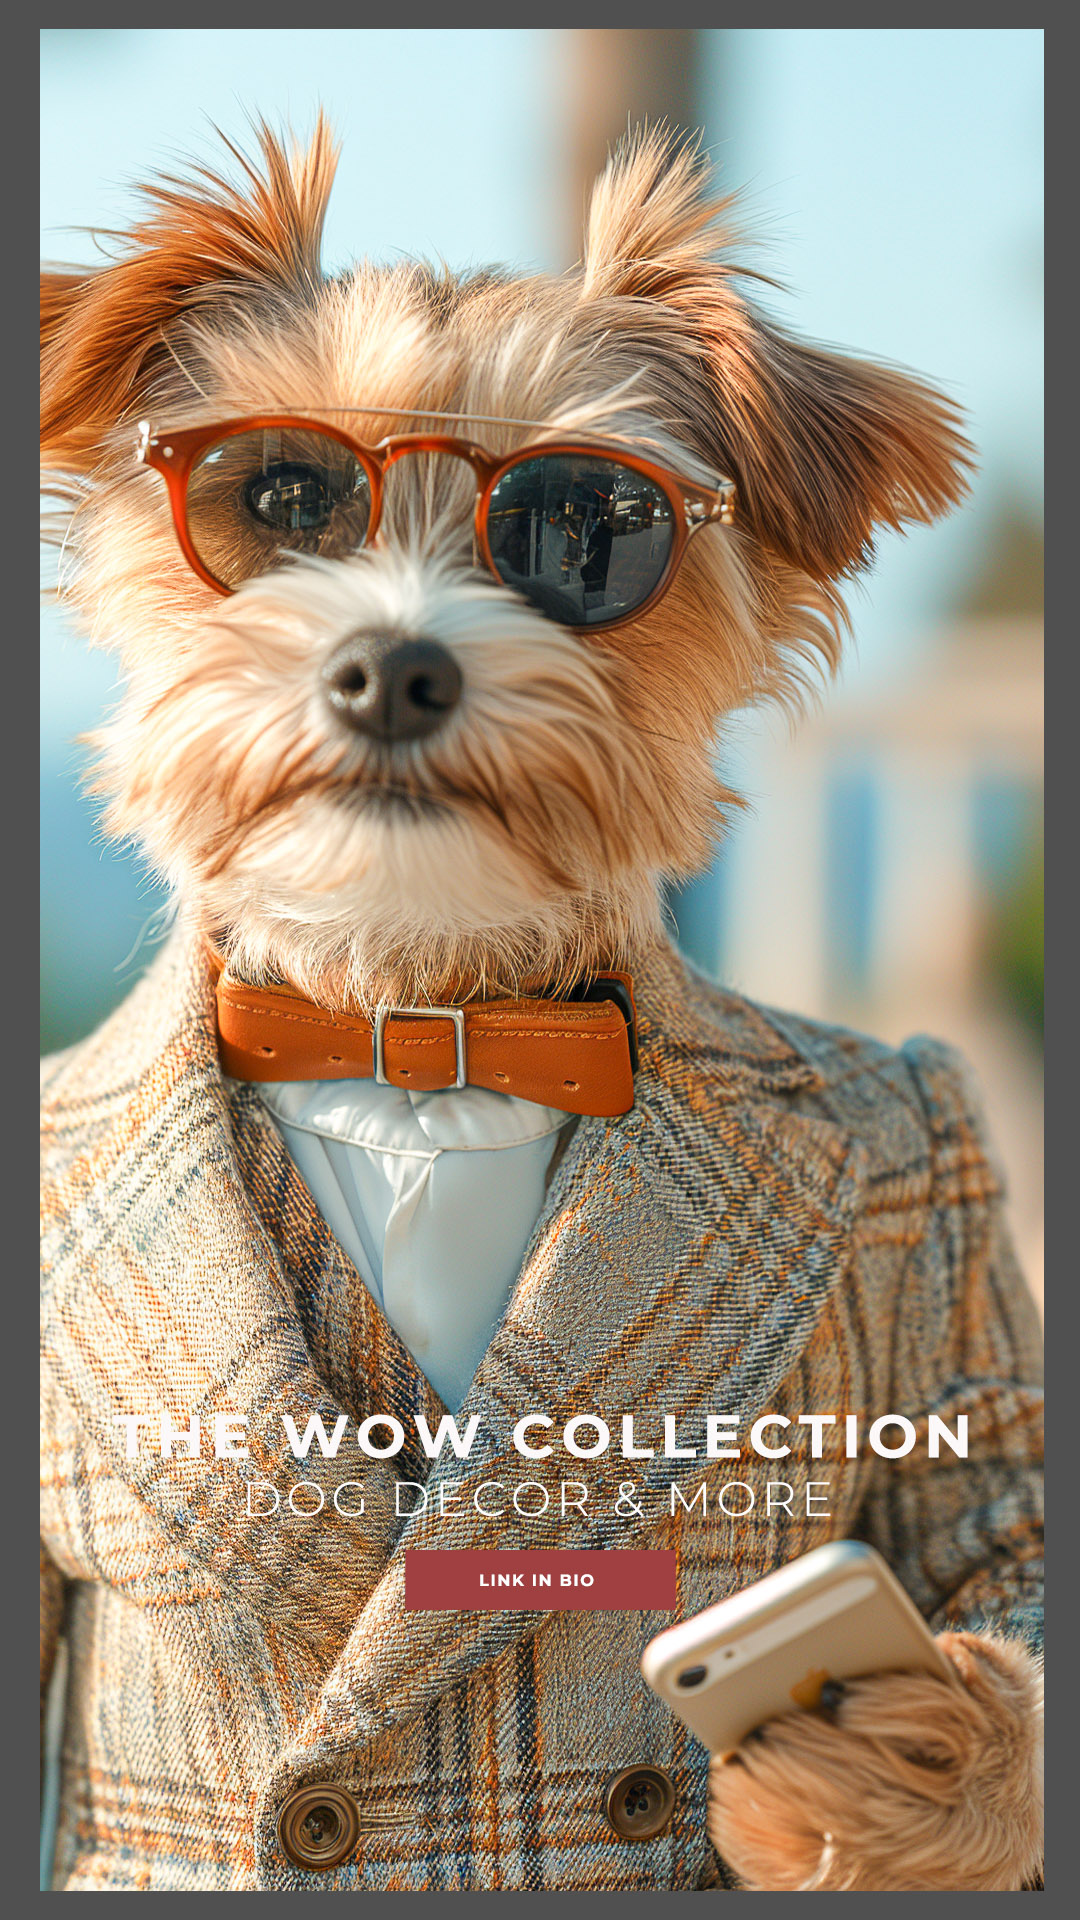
390	687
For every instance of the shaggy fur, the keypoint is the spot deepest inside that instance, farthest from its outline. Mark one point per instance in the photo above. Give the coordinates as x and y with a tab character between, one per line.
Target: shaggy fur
530	836
915	1786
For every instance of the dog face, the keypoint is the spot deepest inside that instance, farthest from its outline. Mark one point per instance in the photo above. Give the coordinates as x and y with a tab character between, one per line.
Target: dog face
524	833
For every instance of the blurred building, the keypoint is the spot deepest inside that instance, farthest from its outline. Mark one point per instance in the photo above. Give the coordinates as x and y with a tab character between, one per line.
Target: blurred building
891	879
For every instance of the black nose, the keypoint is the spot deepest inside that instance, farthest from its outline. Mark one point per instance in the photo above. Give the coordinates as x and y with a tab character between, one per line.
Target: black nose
392	688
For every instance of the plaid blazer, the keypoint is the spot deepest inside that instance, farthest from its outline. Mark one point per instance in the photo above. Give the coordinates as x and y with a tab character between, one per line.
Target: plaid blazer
792	1219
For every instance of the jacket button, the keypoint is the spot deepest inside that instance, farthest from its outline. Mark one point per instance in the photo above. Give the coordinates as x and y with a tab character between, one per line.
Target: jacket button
319	1826
639	1802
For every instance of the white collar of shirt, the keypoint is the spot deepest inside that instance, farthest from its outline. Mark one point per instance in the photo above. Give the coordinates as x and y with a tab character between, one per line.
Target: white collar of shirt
410	1186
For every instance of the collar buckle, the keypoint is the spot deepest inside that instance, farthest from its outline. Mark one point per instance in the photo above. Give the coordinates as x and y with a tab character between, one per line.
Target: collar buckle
454	1014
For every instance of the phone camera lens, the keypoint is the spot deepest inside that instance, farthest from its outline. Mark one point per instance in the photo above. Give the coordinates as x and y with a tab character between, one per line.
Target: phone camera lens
692	1676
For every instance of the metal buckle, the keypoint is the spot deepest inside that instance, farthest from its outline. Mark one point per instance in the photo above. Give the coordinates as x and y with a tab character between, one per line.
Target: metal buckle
455	1014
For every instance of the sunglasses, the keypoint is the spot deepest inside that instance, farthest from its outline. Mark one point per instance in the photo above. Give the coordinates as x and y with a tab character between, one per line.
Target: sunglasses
587	530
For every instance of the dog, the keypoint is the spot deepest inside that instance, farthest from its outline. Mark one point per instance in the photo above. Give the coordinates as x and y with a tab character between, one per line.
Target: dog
411	722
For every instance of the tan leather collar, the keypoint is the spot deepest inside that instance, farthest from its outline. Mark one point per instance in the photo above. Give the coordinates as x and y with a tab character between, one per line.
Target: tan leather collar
577	1054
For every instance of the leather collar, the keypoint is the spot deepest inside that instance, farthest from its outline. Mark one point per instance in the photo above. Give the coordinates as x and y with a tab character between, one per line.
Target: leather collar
577	1053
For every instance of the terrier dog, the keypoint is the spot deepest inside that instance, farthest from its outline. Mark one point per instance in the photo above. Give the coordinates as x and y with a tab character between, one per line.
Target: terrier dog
431	594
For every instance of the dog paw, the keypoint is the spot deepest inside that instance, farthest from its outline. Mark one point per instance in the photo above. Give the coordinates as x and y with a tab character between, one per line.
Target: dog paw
898	1783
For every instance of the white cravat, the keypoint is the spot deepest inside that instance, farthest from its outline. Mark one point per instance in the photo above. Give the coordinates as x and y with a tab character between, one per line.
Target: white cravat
433	1196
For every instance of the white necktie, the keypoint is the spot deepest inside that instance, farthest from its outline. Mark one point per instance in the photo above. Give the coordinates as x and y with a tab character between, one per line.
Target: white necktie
433	1196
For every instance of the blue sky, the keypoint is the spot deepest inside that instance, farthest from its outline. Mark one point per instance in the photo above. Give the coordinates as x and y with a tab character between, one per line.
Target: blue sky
901	174
446	133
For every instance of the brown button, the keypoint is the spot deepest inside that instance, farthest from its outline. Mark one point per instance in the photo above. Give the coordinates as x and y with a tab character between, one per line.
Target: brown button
319	1826
639	1801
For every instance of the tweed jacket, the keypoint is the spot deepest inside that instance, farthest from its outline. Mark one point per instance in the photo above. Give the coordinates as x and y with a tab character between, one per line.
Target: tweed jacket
792	1219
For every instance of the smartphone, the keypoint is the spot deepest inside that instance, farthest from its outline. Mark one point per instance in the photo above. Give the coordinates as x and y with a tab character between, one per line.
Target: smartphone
833	1614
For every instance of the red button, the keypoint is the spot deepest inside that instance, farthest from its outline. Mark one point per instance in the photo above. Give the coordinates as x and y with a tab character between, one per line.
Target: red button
542	1579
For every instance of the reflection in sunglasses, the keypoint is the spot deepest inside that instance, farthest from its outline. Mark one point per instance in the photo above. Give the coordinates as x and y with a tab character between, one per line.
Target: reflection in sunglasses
588	537
586	540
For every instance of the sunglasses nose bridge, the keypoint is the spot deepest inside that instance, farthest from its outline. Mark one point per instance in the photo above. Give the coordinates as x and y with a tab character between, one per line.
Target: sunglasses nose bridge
393	450
399	449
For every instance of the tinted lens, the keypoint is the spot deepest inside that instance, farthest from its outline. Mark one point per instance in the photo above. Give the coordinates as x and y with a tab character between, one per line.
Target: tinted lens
586	539
274	490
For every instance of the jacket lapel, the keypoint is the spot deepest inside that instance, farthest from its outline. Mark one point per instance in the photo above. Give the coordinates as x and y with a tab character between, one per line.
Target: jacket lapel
684	1255
183	1261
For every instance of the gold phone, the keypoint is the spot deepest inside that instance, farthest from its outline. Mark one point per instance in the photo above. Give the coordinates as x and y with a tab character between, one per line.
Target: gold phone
833	1614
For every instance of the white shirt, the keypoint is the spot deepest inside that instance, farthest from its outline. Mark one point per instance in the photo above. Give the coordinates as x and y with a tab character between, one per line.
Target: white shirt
433	1196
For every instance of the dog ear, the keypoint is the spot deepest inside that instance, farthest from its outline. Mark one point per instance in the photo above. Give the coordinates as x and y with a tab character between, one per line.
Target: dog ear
202	241
823	446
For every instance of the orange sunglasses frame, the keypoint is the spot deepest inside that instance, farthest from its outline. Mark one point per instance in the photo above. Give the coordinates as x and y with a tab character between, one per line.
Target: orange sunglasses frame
174	456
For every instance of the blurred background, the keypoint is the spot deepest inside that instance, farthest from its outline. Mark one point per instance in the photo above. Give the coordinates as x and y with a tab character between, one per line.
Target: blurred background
889	872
